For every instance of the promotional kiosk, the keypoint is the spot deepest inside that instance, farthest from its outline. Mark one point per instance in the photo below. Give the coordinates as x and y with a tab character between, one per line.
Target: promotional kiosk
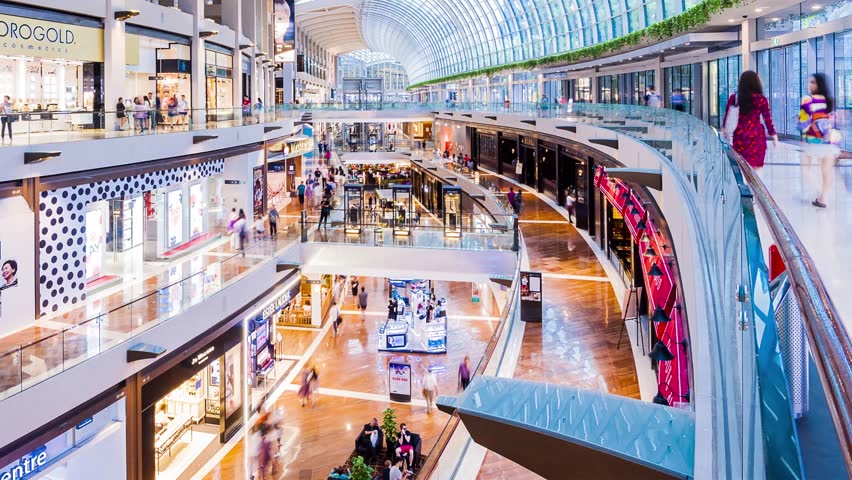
353	206
417	321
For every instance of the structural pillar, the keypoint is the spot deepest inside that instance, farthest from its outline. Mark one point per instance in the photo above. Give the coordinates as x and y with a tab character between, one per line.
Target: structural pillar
198	56
749	35
316	298
115	61
231	17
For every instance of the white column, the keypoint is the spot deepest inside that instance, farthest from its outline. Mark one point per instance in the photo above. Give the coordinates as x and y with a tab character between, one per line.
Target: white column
316	299
658	76
115	61
749	35
231	17
198	56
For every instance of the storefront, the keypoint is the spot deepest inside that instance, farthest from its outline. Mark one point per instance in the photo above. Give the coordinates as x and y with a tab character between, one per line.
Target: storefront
161	65
284	160
47	65
266	369
220	81
191	405
93	447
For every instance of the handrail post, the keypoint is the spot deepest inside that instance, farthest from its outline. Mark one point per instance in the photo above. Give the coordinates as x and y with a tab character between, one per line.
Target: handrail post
516	240
303	222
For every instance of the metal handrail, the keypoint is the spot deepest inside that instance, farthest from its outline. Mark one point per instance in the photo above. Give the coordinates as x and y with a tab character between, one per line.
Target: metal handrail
830	343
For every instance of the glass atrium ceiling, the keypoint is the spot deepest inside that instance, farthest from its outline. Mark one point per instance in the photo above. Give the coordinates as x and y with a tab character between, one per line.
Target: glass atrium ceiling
438	38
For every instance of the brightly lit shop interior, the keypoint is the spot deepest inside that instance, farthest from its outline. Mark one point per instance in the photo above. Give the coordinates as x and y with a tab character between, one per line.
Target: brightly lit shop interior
417	319
267	364
201	407
220	80
162	67
93	448
380	170
132	237
370	137
284	160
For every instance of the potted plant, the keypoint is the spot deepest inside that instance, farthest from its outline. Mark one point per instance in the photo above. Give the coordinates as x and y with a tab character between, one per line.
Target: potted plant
360	470
389	427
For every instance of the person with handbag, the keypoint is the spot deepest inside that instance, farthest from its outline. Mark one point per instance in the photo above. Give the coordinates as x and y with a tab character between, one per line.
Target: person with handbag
749	105
6	118
816	122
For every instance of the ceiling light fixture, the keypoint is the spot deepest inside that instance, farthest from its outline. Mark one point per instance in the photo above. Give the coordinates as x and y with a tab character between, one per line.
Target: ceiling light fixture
758	9
775	19
122	15
816	7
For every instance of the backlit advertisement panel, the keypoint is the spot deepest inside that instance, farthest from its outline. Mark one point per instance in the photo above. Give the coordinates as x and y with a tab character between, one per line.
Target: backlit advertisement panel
175	218
284	15
196	211
95	234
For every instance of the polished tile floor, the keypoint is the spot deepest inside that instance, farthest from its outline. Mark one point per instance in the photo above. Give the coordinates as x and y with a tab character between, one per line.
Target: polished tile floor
824	232
353	383
576	342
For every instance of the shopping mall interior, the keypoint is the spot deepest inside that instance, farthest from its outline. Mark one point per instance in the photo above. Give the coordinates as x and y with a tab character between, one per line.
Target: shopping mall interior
425	239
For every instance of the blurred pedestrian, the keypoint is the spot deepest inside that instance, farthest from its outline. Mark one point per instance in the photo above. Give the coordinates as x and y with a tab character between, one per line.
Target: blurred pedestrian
430	390
816	121
749	105
464	372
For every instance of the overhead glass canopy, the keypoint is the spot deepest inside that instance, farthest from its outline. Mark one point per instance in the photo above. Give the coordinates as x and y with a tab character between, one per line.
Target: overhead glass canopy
438	38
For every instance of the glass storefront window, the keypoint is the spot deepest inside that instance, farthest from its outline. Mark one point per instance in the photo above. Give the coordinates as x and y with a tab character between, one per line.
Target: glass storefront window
843	84
220	93
35	84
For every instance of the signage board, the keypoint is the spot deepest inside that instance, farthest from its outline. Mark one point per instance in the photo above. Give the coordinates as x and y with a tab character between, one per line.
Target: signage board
399	378
29	37
531	292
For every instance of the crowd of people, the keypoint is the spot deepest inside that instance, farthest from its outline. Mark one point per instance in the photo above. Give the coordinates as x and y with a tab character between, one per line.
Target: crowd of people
149	111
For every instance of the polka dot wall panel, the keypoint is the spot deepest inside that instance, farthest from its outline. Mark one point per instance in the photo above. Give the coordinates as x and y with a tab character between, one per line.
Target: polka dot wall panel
62	227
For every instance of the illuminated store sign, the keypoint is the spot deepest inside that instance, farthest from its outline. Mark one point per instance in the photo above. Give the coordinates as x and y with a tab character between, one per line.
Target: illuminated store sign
201	357
27	465
38	38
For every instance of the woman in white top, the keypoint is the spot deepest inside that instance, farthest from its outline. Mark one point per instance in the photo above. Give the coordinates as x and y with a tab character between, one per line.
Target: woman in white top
6	118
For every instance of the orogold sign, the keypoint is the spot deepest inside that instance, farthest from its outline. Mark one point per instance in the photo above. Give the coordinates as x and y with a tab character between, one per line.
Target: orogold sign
37	38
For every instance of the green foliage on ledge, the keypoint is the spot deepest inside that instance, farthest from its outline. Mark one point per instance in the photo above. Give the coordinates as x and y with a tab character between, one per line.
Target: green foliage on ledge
695	17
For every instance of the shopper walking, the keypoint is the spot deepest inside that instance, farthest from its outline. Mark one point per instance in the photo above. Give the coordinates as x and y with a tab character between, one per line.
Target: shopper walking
430	390
325	211
301	192
6	118
362	300
241	231
511	198
140	114
120	114
149	117
816	122
355	285
464	372
652	98
232	219
749	137
273	222
172	106
678	100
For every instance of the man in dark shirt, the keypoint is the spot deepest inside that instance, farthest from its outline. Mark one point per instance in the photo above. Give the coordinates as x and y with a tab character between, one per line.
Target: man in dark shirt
369	437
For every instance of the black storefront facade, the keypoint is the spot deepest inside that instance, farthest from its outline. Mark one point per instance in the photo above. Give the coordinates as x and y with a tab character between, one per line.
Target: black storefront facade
197	393
553	166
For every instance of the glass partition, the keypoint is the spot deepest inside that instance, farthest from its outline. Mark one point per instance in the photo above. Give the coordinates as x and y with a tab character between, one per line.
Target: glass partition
353	206
452	211
402	205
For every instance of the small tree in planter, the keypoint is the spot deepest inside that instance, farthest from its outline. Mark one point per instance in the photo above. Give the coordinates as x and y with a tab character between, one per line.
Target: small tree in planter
360	470
389	426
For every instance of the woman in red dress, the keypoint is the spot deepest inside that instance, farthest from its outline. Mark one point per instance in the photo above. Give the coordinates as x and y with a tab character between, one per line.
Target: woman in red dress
750	135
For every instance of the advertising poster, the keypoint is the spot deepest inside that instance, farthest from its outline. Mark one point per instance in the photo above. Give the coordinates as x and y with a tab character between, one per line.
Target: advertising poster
212	279
257	182
8	278
175	218
233	385
399	376
284	17
95	234
196	210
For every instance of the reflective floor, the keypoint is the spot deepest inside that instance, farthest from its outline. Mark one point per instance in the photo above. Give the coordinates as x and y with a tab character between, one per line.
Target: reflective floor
825	232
